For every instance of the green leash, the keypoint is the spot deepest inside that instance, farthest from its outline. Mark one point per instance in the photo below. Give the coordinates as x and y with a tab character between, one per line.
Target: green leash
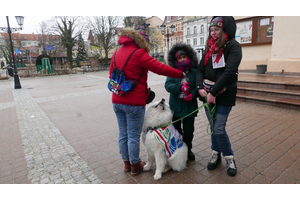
211	111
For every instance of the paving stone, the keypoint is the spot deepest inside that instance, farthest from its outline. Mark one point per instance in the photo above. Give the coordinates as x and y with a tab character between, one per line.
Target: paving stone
75	147
40	139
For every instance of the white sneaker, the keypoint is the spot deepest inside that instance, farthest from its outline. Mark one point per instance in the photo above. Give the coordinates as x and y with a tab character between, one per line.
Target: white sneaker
230	166
215	159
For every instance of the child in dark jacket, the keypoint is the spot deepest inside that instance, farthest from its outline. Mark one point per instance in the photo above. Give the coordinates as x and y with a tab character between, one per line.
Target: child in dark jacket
183	92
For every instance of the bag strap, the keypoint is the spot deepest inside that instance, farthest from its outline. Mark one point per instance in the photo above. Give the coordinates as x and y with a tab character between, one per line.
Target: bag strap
126	63
126	60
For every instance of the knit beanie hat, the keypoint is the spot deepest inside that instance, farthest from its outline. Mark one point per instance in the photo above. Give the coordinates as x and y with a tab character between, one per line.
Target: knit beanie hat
142	31
218	21
179	53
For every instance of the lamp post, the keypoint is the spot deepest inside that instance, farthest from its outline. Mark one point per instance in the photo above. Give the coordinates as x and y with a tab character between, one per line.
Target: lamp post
168	34
20	20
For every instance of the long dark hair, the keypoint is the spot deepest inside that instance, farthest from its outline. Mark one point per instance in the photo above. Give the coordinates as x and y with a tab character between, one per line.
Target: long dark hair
220	42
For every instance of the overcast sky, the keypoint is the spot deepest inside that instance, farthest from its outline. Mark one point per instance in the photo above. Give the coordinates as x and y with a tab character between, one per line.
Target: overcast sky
36	11
31	23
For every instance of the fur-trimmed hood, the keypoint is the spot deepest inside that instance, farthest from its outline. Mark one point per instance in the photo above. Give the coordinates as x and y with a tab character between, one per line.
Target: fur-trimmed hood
191	54
128	35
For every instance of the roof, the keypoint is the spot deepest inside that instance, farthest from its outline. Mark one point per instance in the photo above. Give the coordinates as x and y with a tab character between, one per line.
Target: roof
173	19
37	37
91	37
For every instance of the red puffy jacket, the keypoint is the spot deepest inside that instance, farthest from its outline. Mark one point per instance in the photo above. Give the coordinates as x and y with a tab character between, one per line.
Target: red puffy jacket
139	60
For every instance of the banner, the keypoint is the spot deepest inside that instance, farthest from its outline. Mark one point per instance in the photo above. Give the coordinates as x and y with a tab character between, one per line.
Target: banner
48	47
17	51
95	47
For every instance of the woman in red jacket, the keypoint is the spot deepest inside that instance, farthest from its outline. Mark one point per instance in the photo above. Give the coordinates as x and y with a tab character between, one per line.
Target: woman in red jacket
130	108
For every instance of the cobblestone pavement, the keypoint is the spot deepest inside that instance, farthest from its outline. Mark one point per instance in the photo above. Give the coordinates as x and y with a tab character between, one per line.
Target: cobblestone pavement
62	129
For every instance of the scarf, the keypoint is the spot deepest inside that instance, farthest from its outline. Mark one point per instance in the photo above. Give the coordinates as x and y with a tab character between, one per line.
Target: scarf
184	66
211	49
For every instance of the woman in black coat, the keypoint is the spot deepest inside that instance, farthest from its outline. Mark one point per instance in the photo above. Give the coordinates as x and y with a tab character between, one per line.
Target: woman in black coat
220	65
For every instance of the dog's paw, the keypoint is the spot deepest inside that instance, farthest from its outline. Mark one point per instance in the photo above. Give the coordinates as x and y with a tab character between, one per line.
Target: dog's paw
147	167
157	177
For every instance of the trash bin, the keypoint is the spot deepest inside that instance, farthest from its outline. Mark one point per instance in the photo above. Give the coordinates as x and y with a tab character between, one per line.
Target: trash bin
10	71
261	69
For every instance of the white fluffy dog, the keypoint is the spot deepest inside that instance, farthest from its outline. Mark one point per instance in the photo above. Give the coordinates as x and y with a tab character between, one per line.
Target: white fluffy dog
158	114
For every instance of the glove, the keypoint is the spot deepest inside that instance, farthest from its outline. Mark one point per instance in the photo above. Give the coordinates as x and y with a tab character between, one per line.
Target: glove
188	97
185	88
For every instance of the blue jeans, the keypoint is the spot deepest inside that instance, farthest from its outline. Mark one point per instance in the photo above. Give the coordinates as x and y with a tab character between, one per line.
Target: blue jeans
130	121
219	139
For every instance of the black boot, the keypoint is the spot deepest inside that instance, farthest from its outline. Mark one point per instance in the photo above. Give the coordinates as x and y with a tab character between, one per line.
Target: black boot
230	166
214	161
191	155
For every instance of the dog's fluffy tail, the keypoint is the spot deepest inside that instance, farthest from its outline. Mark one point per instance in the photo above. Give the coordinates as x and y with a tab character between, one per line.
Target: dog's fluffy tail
178	160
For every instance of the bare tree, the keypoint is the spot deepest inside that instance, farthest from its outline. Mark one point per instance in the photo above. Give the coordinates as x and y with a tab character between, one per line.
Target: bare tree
68	28
43	30
6	49
130	21
156	39
103	29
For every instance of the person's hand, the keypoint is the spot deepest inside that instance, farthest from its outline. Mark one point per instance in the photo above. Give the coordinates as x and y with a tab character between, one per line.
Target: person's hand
188	97
185	88
202	92
211	99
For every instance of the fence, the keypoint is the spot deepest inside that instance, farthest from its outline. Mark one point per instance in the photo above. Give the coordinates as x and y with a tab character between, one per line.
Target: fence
32	70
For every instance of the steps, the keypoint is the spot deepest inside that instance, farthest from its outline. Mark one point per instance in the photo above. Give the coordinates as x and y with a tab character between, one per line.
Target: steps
279	94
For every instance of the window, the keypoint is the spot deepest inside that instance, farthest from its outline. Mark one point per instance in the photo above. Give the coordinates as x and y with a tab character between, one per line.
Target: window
256	30
195	29
179	27
179	40
188	41
188	31
179	17
23	43
168	18
37	38
202	28
1	55
195	41
202	41
29	43
25	38
1	41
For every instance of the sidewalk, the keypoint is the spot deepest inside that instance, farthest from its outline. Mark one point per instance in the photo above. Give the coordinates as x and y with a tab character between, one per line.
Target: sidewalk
62	129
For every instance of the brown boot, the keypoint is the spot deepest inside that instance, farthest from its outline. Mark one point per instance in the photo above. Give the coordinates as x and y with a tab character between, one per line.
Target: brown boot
127	167
137	168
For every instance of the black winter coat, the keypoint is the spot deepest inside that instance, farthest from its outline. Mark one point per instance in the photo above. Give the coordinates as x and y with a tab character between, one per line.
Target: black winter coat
226	76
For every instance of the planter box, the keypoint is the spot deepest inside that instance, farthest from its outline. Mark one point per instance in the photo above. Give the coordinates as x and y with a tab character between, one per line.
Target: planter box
261	69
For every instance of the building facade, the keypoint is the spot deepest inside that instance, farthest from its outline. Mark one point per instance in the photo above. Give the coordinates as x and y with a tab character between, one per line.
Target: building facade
196	32
156	37
170	37
269	40
33	45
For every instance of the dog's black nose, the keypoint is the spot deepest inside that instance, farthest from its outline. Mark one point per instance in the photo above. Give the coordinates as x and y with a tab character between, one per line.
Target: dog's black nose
162	100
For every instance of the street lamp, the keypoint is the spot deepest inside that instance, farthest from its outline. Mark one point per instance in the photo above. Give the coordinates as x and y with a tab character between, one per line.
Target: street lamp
168	34
20	20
